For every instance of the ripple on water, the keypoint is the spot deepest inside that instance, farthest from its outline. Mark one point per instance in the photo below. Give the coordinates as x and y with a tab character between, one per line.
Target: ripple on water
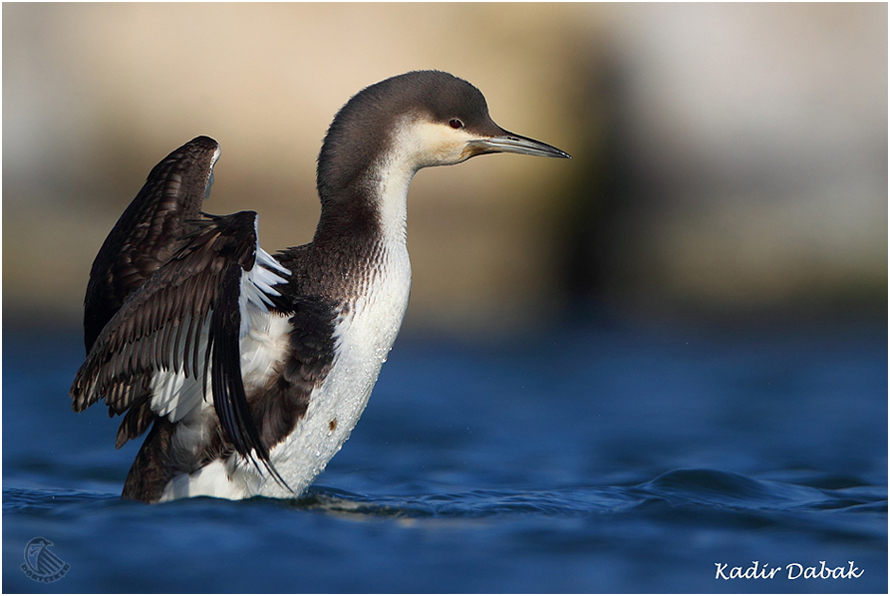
737	517
700	489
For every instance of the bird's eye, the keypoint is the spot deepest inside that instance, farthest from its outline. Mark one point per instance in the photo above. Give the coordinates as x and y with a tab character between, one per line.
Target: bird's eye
455	123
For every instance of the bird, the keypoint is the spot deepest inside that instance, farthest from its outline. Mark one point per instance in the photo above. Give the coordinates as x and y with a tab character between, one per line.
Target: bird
250	370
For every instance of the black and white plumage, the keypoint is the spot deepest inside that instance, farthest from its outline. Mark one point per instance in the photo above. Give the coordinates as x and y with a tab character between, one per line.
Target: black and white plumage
251	370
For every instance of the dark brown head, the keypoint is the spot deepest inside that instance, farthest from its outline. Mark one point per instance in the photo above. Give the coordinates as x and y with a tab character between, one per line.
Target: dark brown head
418	119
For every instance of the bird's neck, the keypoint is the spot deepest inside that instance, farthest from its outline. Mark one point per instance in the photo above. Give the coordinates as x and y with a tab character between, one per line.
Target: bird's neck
367	208
360	245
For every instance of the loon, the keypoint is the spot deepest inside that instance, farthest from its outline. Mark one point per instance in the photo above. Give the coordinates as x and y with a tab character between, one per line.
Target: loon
249	371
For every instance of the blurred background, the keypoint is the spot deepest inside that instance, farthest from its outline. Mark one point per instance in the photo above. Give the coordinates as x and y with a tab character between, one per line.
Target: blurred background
730	161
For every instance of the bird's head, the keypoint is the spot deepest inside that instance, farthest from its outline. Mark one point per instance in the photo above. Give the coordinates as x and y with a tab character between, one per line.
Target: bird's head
444	120
418	119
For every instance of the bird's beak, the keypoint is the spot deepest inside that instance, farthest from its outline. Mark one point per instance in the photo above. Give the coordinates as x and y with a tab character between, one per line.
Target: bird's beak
508	142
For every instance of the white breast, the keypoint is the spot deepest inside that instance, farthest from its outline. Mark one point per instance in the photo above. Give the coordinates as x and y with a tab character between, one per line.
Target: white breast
364	337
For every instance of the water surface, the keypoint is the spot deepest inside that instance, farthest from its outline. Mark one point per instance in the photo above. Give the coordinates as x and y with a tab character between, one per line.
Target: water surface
583	461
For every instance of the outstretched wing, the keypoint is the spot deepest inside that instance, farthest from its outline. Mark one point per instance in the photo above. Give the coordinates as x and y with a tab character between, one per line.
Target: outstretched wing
183	325
149	231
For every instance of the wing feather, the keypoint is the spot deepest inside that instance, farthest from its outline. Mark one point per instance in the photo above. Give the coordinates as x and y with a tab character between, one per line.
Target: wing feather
184	326
149	231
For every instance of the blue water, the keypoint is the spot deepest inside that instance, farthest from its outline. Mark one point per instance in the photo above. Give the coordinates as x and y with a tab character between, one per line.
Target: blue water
588	461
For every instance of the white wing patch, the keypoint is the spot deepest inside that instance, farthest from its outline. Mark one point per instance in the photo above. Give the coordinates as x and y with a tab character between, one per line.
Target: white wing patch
256	286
